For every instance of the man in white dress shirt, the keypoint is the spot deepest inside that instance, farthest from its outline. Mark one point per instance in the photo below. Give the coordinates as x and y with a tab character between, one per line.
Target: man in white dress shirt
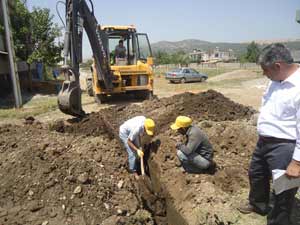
278	145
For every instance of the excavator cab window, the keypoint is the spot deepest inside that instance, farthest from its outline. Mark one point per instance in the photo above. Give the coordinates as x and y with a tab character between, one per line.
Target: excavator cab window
144	49
128	40
136	44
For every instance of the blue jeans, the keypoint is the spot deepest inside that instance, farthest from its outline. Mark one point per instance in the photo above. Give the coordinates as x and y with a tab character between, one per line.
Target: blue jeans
131	153
193	163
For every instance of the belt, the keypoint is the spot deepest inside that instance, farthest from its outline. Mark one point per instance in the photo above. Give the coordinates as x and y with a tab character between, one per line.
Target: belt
275	140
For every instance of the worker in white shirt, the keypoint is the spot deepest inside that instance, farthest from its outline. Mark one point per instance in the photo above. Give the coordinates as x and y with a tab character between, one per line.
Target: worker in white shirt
130	133
278	145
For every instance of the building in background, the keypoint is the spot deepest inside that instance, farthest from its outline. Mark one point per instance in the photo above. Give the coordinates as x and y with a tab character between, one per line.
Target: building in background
198	55
215	55
296	55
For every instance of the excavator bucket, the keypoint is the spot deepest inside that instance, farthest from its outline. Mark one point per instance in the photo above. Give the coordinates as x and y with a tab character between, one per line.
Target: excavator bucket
69	99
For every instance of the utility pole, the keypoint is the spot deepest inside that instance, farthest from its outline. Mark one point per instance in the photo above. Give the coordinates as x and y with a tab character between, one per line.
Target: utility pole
11	56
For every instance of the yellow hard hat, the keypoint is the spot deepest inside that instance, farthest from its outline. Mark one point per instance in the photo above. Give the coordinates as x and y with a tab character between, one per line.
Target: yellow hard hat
149	126
181	122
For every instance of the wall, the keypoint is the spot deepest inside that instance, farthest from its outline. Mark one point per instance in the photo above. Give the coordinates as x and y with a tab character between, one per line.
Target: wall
22	65
3	63
5	79
2	45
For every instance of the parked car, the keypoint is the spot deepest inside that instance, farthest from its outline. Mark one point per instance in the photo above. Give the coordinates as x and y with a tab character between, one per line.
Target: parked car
182	75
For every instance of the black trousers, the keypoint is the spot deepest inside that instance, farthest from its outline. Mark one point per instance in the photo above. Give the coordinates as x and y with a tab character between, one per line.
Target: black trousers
269	154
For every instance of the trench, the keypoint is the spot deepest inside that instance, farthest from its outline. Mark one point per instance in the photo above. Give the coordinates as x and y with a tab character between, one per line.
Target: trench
171	215
153	196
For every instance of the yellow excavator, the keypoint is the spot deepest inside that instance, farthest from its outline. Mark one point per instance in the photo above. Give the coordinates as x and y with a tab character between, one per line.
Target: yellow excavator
112	73
132	71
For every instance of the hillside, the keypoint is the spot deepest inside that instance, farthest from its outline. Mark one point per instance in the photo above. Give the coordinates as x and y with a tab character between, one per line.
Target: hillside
190	44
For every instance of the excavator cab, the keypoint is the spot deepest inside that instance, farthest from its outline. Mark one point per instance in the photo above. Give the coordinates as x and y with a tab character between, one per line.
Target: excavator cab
132	70
135	45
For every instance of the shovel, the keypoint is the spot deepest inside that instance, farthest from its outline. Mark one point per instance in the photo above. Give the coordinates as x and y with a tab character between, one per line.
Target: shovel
142	166
143	183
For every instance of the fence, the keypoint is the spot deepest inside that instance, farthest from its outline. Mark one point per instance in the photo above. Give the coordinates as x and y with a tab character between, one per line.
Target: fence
167	67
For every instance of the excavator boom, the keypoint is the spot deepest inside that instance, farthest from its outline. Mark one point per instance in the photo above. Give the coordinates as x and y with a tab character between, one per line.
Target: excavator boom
79	16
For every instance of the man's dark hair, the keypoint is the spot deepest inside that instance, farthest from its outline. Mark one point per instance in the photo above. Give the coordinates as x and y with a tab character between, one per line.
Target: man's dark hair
121	41
275	53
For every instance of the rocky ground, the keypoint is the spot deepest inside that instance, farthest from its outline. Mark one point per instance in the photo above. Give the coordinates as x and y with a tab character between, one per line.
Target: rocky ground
74	171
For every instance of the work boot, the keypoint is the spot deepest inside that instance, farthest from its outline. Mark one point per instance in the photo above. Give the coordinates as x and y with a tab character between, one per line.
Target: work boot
136	176
246	208
212	168
178	162
133	173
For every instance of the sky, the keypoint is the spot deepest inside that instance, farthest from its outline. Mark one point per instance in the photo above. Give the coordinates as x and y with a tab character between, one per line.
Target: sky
208	20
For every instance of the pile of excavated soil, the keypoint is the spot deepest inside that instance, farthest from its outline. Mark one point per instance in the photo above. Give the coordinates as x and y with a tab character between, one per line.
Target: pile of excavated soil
210	105
53	178
75	172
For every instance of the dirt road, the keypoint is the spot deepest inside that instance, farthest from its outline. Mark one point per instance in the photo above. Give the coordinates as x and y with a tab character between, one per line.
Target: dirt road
243	86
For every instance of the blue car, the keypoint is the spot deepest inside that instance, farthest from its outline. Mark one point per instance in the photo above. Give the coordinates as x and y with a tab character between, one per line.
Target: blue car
182	75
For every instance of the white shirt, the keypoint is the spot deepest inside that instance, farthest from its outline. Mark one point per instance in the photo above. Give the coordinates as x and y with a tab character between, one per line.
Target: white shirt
280	111
133	127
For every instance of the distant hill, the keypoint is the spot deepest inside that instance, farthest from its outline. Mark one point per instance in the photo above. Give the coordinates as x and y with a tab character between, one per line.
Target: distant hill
238	48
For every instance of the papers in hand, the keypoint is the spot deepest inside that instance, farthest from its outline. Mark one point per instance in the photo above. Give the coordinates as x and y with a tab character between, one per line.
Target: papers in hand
282	183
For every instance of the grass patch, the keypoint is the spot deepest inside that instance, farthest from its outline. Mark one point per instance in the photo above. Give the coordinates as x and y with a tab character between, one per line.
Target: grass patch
33	107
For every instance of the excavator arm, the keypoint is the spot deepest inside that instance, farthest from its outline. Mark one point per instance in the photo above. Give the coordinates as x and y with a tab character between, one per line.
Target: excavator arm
79	16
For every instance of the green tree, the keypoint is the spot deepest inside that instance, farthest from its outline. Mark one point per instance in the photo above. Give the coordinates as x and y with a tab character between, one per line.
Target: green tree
180	58
197	60
175	58
252	52
34	34
20	22
242	58
43	36
162	58
87	64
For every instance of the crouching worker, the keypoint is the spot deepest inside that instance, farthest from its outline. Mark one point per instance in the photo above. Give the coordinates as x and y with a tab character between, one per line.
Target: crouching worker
196	153
130	133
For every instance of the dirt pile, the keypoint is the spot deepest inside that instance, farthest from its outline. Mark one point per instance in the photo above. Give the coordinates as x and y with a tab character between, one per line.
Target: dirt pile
92	125
210	105
53	178
75	172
